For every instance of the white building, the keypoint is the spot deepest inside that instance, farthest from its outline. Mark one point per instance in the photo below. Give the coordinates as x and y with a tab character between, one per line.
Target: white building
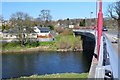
71	26
43	33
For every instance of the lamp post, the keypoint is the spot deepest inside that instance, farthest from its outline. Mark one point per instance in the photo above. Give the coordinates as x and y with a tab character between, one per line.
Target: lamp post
85	23
91	20
96	13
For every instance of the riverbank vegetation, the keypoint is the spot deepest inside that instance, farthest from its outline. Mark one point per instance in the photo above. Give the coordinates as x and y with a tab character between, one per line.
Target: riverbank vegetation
62	43
65	41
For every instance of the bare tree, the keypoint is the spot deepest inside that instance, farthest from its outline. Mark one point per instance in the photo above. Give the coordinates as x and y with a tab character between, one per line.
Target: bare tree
1	18
20	22
114	12
45	16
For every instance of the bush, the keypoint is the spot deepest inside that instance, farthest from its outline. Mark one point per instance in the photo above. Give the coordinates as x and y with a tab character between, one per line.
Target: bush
69	42
12	44
67	32
46	43
77	44
32	44
59	29
51	27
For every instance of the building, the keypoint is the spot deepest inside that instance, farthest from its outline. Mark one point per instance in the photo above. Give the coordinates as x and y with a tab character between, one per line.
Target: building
34	34
43	33
71	26
0	23
12	34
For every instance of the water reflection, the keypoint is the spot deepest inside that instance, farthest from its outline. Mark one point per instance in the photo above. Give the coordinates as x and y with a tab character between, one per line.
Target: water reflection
16	65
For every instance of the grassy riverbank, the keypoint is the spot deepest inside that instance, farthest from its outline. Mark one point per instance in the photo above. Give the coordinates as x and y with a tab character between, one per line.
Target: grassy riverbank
62	75
65	43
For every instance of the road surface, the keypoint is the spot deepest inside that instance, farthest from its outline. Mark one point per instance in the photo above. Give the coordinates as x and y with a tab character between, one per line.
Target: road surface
111	34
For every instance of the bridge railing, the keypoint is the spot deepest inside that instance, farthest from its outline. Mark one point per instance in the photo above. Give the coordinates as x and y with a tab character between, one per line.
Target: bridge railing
99	69
113	58
108	61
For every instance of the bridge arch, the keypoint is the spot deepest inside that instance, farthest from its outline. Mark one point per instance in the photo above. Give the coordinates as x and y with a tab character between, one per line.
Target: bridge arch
88	42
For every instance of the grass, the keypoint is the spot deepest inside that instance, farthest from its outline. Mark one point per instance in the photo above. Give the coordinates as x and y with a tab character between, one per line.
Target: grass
61	75
12	45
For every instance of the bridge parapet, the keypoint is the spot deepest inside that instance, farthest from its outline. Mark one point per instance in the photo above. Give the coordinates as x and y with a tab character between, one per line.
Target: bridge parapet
107	66
85	31
108	61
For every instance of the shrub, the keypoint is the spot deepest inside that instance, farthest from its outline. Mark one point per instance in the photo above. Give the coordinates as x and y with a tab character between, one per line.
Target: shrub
69	42
11	45
32	44
67	32
51	27
77	44
59	29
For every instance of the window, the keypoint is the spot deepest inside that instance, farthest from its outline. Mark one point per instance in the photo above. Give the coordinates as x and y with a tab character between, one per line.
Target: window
6	35
10	35
44	31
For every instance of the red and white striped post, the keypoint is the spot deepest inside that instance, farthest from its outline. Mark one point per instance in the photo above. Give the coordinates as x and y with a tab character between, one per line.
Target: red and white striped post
99	27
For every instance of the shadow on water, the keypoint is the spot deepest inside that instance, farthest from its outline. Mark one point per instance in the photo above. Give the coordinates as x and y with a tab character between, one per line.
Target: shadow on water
88	44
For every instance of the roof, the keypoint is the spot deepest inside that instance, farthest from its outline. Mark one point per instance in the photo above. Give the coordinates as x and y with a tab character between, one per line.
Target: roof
15	30
43	28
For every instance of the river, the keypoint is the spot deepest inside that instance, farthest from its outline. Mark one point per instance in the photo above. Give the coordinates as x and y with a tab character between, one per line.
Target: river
40	63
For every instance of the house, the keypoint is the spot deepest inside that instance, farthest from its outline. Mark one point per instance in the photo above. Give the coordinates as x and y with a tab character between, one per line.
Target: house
34	34
43	33
0	23
71	26
12	34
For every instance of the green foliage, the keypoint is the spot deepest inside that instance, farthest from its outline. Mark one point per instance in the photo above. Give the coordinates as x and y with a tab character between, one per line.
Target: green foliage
5	27
82	23
59	29
51	27
32	44
67	32
12	45
64	40
58	37
47	43
69	42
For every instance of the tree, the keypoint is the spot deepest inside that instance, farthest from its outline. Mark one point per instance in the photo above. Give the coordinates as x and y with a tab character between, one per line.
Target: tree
45	17
5	27
21	21
82	23
114	12
68	21
1	18
51	27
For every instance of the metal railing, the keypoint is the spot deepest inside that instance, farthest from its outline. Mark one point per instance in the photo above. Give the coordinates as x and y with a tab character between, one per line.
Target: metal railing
113	58
108	61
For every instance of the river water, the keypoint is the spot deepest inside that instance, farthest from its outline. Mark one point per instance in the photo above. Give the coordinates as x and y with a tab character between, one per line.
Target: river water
40	63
